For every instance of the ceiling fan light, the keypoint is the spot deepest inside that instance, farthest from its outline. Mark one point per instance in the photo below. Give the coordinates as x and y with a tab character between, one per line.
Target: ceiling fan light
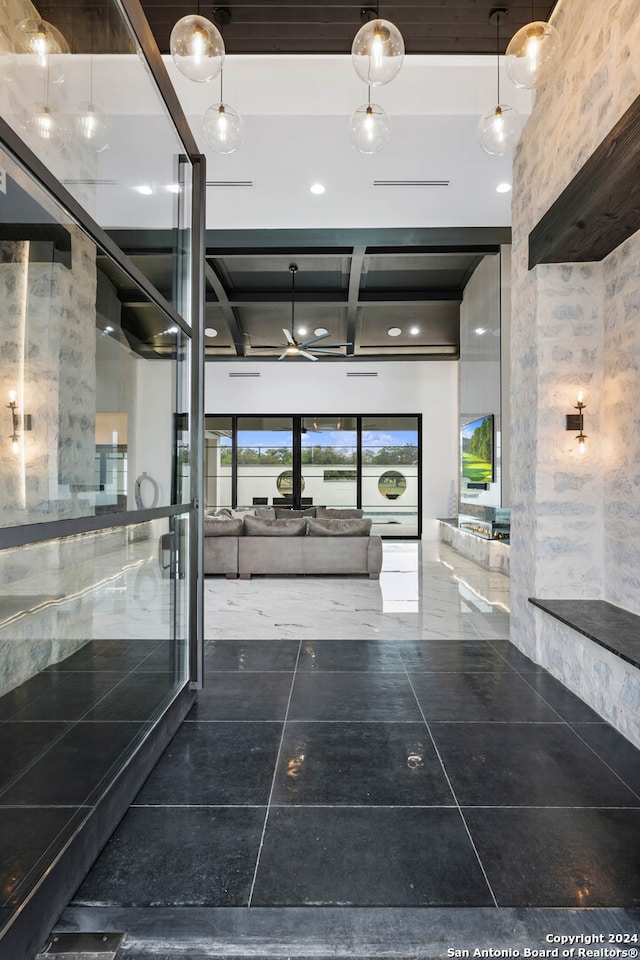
369	128
533	55
377	52
499	129
197	48
292	350
223	128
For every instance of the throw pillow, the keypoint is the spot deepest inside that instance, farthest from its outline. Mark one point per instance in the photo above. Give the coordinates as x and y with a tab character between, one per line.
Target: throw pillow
256	527
222	527
338	513
339	528
285	513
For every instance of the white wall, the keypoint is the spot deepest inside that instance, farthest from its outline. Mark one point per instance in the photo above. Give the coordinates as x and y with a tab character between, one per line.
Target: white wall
291	387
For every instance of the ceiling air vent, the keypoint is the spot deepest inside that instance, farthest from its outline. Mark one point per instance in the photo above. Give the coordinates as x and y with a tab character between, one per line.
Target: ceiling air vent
411	183
365	373
91	183
247	374
229	183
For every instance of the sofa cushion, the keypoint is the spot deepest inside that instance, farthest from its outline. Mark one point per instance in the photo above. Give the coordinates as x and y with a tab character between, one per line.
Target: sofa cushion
267	513
222	527
257	527
286	513
360	527
338	513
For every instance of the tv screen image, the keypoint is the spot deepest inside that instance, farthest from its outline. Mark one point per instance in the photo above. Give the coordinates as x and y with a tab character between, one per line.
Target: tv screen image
477	450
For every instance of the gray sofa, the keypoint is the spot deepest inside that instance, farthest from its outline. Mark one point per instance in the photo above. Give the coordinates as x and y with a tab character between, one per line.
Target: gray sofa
337	542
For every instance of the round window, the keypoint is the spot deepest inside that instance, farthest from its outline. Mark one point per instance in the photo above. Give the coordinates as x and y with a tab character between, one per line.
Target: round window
392	484
284	483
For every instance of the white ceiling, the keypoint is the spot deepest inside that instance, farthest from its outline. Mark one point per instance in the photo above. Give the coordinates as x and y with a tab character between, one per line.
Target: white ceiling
296	112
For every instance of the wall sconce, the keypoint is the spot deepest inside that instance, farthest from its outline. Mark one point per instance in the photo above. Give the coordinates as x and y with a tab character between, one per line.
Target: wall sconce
575	421
15	421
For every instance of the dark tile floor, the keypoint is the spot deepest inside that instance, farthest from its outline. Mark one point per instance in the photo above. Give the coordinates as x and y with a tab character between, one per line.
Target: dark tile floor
62	733
377	772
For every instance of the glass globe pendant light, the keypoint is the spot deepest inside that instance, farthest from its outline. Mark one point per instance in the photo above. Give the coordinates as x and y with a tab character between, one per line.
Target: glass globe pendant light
370	128
377	52
197	48
499	128
90	126
223	128
90	121
42	40
222	125
533	55
46	125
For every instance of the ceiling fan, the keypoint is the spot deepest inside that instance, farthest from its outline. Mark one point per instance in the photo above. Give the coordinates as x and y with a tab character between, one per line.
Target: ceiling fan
304	348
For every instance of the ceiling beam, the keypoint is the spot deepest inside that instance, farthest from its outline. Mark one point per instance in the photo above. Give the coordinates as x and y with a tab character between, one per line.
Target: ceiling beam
230	315
600	208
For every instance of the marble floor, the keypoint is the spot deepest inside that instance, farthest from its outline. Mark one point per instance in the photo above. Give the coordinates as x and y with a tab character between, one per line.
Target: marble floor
363	743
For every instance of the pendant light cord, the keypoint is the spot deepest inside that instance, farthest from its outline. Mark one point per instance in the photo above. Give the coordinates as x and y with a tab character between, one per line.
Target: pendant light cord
498	17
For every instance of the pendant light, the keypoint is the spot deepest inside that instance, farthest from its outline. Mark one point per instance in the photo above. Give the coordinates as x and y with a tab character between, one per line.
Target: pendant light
42	40
42	124
222	126
89	120
370	127
499	128
377	52
534	54
197	48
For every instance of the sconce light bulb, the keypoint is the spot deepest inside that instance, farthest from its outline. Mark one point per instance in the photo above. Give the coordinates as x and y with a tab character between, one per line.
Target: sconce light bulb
12	396
15	446
580	396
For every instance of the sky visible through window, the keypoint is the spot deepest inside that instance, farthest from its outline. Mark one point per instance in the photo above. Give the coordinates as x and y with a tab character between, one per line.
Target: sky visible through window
373	439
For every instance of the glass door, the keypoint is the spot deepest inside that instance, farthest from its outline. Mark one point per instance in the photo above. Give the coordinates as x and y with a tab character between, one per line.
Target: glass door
390	474
329	461
266	471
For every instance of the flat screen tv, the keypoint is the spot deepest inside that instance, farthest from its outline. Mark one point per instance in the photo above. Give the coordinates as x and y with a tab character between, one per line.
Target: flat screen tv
477	450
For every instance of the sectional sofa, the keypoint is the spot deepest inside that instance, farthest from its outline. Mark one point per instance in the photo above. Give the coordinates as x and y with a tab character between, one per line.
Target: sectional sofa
281	541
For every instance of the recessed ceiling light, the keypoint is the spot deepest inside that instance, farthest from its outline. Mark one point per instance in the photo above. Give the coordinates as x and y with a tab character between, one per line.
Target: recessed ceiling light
320	331
302	331
414	331
108	329
503	188
144	189
394	331
317	188
210	332
480	330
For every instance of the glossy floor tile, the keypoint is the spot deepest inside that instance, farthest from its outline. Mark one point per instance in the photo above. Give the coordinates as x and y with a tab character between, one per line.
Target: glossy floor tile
559	857
182	856
215	763
363	743
368	856
376	764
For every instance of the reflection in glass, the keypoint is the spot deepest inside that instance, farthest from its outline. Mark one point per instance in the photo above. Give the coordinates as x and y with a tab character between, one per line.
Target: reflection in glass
217	463
96	365
329	459
390	496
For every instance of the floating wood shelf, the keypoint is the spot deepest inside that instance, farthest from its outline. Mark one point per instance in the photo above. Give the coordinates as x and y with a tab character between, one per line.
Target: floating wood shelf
600	208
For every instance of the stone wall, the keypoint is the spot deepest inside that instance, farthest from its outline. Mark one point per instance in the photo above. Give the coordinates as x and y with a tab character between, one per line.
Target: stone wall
575	520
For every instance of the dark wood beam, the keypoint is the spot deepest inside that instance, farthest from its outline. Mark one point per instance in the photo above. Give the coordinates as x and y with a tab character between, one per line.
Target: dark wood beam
216	284
600	208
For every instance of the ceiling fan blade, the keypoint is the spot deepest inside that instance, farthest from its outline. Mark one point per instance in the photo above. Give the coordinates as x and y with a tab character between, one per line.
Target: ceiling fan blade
333	353
288	336
326	346
309	356
283	355
305	343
